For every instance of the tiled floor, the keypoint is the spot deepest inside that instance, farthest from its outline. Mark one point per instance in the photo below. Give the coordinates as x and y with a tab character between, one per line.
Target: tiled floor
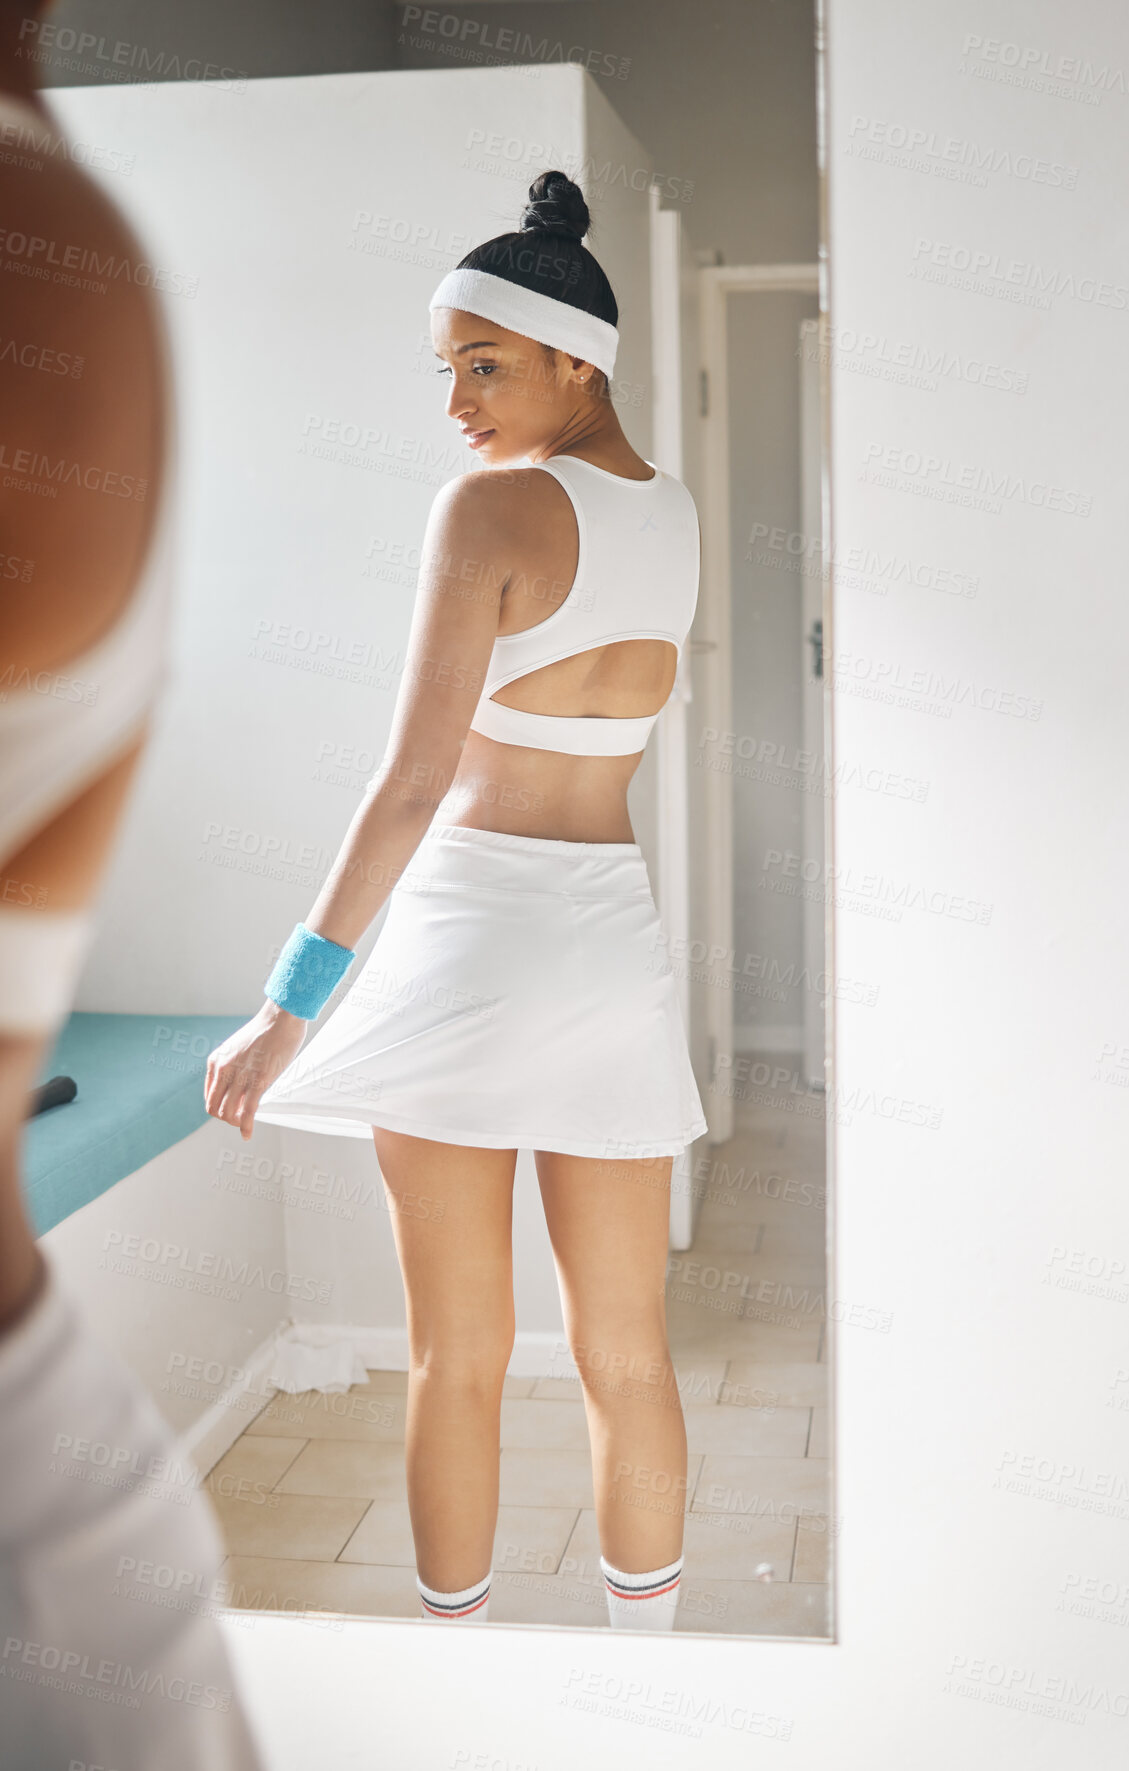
311	1497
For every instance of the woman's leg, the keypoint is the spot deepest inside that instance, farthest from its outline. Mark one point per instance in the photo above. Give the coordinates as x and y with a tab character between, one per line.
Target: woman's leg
608	1223
452	1217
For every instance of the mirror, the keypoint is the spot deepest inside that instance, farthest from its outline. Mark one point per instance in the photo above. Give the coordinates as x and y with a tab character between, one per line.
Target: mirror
297	229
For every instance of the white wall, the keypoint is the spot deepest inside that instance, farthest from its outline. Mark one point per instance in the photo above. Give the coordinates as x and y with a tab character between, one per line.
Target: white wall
344	1232
736	152
982	1482
614	171
304	319
298	548
722	95
182	1268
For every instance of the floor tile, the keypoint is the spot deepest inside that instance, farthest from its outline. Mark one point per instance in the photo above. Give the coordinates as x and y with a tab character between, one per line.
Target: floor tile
362	1469
799	1385
383	1383
788	1241
752	1608
527	1539
531	1540
695	1328
264	1583
580	1560
701	1378
292	1526
555	1601
819	1439
751	1289
789	1284
357	1414
384	1535
254	1462
754	1487
719	1548
814	1551
747	1432
702	1372
766	1192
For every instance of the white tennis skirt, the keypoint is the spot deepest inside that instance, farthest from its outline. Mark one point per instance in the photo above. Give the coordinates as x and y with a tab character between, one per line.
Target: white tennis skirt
519	996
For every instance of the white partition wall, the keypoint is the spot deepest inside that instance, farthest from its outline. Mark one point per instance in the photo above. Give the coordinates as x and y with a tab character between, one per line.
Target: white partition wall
299	227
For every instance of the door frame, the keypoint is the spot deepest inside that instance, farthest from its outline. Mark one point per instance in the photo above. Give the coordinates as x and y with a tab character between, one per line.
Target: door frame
668	434
816	726
713	635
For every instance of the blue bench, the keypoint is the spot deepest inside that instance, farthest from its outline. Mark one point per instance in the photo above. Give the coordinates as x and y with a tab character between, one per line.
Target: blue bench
140	1082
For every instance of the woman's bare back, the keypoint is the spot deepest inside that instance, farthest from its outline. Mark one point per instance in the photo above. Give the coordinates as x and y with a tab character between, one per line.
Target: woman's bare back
548	793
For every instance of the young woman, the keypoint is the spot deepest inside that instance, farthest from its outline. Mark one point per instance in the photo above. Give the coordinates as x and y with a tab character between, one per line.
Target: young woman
93	1483
517	996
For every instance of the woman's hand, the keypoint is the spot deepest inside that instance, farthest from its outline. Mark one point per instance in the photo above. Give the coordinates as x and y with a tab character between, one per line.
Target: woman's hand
240	1071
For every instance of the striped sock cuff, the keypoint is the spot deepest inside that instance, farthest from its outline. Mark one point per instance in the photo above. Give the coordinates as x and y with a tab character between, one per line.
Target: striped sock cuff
641	1586
460	1604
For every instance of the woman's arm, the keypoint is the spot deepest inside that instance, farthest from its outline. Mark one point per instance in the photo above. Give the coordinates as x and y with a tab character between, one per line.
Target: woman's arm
463	572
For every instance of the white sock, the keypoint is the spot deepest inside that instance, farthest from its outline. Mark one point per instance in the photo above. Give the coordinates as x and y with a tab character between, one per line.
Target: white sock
642	1601
472	1603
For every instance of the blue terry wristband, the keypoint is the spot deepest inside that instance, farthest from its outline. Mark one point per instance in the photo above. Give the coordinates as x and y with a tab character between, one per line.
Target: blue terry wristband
307	972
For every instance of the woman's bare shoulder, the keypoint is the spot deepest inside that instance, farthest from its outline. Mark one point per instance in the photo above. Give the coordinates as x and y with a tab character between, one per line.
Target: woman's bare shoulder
519	501
491	523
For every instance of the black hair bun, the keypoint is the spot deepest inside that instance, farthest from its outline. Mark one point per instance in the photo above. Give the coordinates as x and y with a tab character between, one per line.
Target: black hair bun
555	206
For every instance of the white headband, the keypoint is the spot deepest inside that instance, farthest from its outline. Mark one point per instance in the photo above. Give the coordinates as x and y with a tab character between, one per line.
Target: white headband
536	316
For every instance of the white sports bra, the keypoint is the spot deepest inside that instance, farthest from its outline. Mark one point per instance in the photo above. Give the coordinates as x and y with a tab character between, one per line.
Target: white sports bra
62	726
60	730
636	578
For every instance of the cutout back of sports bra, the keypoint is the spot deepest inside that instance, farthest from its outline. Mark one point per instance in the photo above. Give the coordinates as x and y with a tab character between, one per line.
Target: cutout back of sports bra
636	578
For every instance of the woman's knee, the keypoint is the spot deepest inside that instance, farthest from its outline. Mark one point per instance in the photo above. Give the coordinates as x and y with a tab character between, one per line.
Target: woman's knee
628	1354
462	1358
